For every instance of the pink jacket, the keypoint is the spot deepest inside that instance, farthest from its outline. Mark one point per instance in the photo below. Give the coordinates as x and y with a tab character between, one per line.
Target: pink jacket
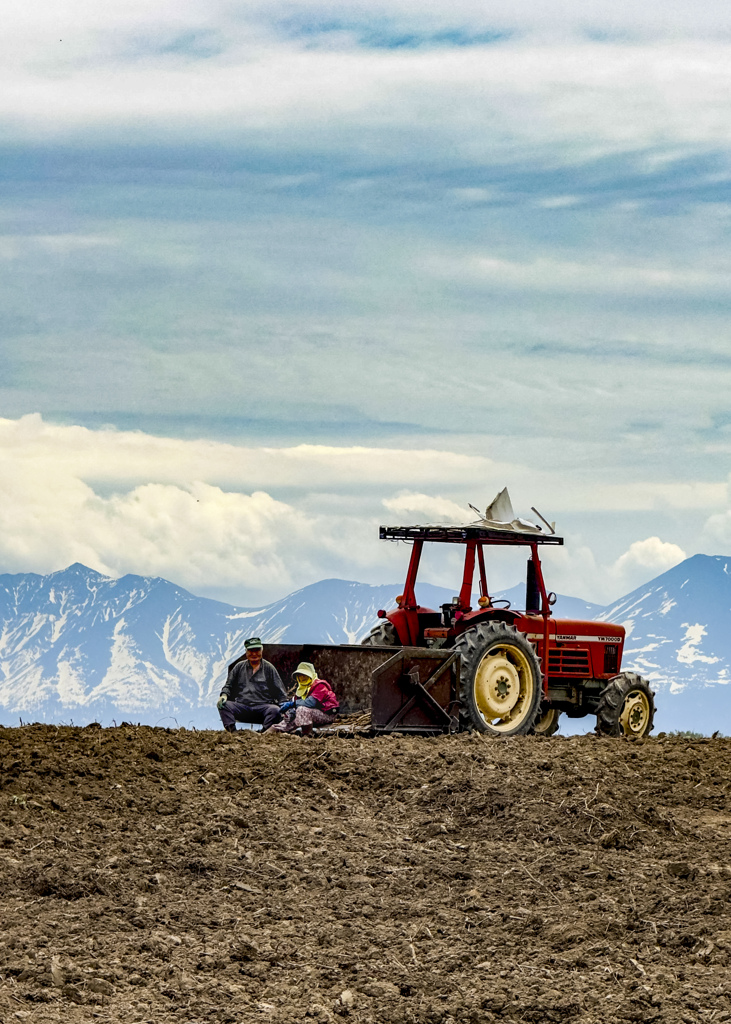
323	693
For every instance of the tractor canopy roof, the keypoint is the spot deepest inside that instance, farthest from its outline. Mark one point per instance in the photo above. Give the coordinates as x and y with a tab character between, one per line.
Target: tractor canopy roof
499	525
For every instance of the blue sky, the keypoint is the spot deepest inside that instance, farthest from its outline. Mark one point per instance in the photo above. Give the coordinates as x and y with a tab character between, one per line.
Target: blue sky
272	275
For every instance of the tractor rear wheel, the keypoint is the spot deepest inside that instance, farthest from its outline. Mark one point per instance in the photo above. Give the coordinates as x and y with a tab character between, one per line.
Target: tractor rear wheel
626	707
382	635
547	723
500	679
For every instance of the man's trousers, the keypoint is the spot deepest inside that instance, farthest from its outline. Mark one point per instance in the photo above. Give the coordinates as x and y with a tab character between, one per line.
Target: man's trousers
257	714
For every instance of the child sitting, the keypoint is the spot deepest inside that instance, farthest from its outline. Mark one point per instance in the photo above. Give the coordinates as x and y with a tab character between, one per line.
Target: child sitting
315	703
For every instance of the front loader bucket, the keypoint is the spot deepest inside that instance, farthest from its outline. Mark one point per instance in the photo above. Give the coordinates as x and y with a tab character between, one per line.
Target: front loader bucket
406	689
347	669
416	690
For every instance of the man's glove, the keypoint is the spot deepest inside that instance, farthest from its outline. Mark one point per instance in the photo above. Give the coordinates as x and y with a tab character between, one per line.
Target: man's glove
221	701
286	705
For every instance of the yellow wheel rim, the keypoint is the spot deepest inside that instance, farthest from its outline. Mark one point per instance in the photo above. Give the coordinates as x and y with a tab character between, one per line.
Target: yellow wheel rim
503	687
635	716
546	721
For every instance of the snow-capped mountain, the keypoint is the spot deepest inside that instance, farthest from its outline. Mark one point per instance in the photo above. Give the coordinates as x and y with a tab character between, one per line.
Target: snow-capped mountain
79	646
679	637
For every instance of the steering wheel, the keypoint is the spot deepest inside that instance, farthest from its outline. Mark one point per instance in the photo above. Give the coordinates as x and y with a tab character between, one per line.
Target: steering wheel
501	600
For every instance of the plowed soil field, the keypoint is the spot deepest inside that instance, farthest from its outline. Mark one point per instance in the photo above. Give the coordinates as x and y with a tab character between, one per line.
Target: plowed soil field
160	876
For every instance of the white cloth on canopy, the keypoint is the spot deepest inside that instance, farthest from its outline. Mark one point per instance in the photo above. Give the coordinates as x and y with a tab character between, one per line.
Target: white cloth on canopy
499	515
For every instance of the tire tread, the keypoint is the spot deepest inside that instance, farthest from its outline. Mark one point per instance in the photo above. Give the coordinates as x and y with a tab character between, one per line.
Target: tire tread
382	635
471	646
612	699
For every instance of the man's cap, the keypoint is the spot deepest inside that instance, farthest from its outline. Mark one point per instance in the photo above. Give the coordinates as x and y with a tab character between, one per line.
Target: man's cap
305	668
252	643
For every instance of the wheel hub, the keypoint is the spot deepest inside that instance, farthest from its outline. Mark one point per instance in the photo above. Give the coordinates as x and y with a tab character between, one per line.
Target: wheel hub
635	713
499	688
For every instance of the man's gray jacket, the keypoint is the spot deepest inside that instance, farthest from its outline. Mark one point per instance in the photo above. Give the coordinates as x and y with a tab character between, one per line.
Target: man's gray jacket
246	687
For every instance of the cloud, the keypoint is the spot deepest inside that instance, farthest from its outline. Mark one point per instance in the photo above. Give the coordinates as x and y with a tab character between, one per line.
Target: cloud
188	28
640	495
121	457
717	529
579	17
646	558
577	570
433	509
199	72
201	513
596	276
196	534
256	522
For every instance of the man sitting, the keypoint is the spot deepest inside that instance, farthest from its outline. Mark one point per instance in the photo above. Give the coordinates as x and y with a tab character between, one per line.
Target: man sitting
253	691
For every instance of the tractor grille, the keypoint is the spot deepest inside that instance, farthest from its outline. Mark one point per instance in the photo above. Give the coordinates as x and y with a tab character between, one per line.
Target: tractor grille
611	659
568	661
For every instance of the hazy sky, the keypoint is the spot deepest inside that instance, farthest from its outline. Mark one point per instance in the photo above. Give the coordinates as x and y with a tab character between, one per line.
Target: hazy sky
274	273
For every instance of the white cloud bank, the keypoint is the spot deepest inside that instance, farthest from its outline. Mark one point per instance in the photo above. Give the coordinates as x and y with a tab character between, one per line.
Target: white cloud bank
651	557
575	569
427	508
258	521
165	70
198	512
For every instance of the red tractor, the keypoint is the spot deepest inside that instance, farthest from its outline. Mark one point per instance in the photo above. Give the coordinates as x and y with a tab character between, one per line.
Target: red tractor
519	670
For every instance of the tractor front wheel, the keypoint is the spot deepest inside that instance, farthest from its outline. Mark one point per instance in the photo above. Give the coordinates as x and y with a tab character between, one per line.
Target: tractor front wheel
626	707
500	679
382	635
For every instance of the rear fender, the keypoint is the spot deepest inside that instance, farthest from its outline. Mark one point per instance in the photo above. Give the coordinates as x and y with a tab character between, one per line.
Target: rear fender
406	624
472	619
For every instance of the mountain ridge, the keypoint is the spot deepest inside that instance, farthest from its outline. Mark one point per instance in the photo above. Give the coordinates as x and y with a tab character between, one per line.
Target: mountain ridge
76	643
